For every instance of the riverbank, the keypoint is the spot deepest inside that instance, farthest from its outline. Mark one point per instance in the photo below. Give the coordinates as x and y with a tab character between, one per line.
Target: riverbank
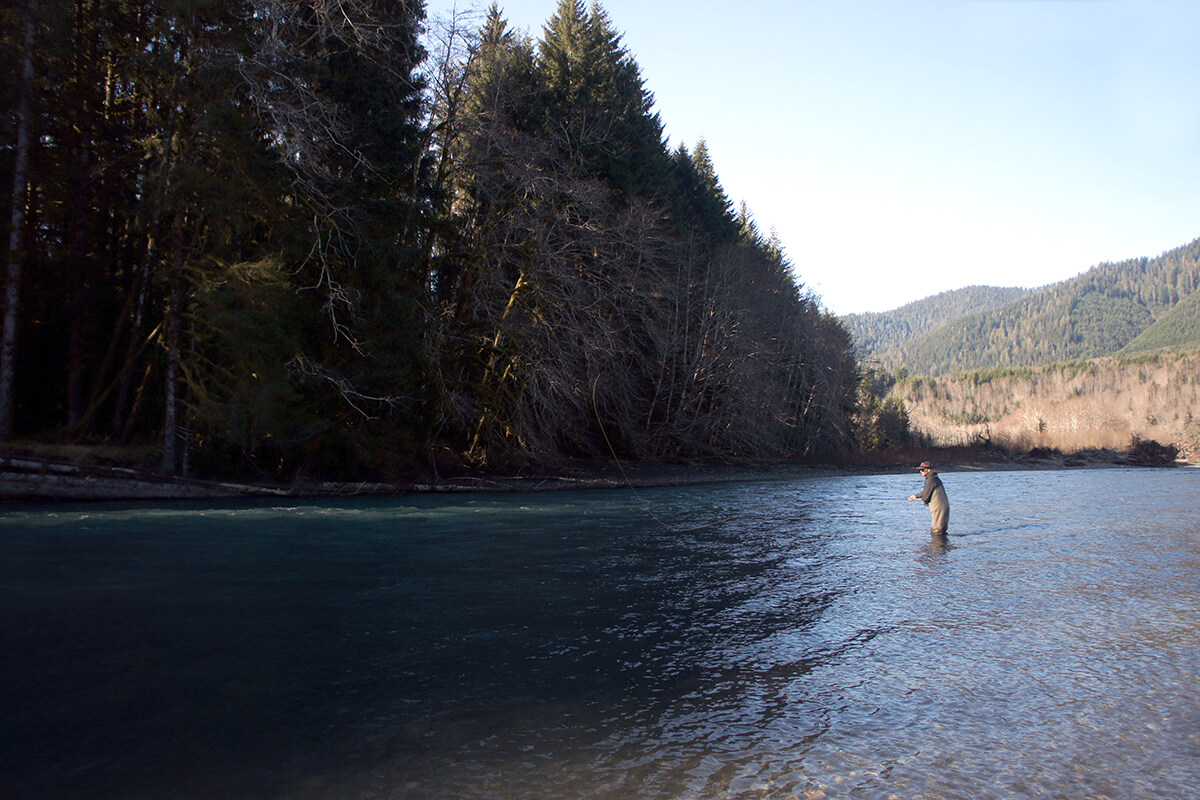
32	477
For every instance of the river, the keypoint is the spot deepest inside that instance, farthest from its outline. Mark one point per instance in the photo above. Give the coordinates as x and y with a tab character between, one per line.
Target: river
790	639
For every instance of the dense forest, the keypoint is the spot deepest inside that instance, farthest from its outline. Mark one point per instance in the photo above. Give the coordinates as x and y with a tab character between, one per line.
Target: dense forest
1137	305
1178	328
879	332
336	239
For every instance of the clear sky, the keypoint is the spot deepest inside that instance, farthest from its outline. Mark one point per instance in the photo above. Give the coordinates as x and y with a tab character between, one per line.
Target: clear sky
901	149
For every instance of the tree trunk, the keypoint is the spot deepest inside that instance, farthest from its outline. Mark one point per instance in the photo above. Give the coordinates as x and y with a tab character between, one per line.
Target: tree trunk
79	283
174	331
80	251
133	348
121	419
12	291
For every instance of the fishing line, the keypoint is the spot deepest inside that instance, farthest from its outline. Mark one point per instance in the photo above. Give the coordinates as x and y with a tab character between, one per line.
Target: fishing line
911	504
629	483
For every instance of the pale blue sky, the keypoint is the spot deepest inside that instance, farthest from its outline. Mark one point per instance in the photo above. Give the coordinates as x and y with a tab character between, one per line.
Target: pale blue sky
901	149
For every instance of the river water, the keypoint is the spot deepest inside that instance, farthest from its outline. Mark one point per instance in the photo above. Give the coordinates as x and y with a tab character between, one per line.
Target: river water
791	639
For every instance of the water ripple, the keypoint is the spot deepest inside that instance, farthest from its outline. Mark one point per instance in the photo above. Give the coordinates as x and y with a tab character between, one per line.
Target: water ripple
800	639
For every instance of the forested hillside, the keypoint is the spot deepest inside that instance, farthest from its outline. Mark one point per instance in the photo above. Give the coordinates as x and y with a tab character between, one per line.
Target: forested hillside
296	237
1178	328
1110	402
875	333
1094	314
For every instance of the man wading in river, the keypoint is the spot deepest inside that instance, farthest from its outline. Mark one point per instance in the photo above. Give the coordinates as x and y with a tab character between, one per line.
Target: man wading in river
934	496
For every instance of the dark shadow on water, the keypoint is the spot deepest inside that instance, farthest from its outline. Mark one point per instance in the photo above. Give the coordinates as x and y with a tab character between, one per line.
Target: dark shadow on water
237	658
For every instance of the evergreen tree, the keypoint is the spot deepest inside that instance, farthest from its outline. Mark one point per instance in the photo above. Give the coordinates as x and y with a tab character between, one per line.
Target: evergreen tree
347	126
698	200
595	104
583	316
211	155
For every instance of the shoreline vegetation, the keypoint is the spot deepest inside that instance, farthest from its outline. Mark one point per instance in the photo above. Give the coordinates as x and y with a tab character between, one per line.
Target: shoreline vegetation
318	239
28	475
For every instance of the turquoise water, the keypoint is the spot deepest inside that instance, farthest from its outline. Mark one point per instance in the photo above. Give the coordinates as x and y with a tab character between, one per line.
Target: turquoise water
799	639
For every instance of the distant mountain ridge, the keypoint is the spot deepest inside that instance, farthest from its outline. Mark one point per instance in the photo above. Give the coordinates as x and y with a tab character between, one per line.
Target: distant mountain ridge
877	332
1133	306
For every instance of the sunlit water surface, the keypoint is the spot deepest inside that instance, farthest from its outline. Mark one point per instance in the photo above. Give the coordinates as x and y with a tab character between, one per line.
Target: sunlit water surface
771	640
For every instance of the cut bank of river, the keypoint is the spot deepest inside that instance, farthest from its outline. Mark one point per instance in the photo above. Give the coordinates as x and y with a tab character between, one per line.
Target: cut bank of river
756	640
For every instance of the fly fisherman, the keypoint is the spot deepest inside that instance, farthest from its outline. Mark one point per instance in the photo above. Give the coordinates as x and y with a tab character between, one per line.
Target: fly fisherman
934	496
